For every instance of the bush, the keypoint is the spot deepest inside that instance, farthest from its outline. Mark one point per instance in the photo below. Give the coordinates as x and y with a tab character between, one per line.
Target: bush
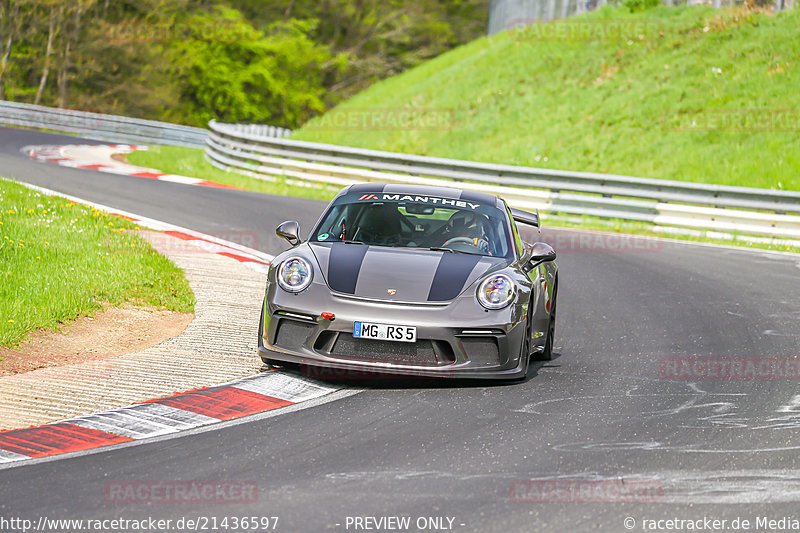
635	6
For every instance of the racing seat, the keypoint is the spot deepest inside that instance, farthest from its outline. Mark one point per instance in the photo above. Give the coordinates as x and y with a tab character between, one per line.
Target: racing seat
380	224
464	226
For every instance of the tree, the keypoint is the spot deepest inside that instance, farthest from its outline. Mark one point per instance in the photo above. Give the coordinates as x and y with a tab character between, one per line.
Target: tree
54	26
277	61
380	37
14	18
245	75
74	11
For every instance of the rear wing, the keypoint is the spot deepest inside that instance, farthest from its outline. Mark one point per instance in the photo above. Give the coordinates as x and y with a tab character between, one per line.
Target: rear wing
523	217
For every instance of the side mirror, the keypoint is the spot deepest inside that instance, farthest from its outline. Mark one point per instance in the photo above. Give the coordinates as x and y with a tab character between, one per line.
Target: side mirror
541	253
289	230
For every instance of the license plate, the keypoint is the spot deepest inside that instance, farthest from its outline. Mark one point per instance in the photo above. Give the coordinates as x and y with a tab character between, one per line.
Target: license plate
385	332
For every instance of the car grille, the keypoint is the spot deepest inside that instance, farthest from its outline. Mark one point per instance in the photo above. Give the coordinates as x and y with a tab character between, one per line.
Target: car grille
420	353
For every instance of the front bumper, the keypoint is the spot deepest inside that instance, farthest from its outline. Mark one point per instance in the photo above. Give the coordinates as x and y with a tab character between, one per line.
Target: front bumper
459	339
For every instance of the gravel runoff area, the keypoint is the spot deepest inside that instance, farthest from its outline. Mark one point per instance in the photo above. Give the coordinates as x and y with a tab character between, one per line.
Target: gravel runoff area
218	346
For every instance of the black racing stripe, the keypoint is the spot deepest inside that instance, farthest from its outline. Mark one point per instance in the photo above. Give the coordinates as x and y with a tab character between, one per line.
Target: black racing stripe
360	188
344	265
478	197
451	275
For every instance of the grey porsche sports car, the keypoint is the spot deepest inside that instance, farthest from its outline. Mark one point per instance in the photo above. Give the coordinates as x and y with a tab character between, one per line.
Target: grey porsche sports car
412	280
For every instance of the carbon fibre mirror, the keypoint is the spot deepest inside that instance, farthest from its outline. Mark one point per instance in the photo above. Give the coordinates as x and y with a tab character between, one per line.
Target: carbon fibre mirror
289	230
540	253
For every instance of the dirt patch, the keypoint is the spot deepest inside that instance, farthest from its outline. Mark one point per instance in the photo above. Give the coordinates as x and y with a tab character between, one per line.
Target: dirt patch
113	331
122	158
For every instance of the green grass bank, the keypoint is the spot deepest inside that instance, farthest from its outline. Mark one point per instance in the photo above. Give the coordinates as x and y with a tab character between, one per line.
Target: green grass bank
684	93
60	260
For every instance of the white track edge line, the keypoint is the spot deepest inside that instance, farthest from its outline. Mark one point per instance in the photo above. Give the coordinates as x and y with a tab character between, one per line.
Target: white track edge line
152	223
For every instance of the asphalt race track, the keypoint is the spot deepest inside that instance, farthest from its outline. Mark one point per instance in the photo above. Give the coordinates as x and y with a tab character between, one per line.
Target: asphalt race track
609	408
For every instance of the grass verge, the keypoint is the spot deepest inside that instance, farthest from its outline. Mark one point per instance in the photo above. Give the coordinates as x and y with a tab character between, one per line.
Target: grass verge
60	260
191	162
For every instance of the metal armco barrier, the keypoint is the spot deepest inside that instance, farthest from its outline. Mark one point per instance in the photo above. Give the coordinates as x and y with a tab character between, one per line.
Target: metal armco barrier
741	210
100	127
116	128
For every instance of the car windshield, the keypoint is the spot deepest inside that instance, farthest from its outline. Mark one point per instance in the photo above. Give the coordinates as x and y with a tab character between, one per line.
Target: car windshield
457	226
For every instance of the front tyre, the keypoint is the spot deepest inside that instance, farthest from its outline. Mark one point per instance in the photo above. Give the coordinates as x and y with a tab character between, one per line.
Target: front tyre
547	353
525	349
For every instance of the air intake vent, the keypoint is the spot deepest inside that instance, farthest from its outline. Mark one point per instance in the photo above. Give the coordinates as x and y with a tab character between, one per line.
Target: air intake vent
420	353
482	351
292	334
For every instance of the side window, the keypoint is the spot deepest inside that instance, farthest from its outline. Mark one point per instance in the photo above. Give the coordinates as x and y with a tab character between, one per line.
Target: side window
517	240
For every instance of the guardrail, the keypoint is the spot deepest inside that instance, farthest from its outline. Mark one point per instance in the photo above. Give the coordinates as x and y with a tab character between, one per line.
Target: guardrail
99	126
507	14
742	210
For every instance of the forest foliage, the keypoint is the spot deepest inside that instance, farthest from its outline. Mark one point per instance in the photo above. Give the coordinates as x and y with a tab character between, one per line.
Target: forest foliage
188	61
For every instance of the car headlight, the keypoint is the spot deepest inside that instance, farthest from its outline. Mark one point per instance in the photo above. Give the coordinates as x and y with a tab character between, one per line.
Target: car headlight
295	274
496	292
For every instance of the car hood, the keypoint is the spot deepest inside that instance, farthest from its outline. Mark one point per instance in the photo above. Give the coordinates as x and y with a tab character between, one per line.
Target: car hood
400	274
